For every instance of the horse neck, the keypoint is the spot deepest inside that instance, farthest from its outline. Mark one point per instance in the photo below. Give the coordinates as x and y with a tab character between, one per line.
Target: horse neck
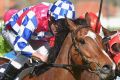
62	58
59	39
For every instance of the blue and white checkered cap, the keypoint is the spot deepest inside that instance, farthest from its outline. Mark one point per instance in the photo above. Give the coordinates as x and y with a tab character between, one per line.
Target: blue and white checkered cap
62	8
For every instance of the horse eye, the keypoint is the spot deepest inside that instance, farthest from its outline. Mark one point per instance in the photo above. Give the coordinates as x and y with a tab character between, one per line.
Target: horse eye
82	41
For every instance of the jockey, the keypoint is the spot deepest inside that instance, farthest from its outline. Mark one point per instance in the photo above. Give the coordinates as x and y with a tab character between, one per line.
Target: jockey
28	32
114	48
115	39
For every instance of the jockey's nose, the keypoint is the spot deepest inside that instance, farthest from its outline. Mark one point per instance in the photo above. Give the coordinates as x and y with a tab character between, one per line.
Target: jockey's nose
106	69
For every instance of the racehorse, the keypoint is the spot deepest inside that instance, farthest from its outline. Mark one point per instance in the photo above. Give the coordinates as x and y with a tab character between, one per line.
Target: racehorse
112	47
75	52
106	37
81	50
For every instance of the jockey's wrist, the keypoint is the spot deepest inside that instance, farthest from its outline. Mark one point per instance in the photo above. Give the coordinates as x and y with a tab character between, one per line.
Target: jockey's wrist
35	55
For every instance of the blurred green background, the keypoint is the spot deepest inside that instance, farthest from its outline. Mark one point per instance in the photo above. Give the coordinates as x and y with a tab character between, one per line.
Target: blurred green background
4	46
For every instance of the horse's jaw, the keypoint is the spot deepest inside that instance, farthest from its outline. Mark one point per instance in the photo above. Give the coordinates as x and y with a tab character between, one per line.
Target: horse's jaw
106	76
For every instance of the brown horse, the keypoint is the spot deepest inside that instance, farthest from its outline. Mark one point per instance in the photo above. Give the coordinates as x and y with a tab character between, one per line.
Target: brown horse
113	49
82	50
106	37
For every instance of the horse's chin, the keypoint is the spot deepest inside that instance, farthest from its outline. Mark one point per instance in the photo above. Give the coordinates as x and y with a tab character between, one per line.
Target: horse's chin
109	76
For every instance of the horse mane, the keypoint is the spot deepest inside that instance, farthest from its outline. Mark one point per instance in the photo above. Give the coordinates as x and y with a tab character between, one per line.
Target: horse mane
61	35
59	39
80	21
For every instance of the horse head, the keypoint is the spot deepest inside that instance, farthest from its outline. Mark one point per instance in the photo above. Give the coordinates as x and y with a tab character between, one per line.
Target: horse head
88	50
106	34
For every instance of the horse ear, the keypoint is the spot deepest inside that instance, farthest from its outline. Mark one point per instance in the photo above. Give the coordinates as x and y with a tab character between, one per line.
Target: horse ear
108	32
87	18
71	24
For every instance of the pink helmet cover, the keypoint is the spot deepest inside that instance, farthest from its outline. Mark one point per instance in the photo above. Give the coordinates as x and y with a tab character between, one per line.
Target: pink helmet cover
9	14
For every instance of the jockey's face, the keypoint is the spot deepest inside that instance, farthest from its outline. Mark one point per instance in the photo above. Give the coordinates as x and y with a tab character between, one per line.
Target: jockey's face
53	27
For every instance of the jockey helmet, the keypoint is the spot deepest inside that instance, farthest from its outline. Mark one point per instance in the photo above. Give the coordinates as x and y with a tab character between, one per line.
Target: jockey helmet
9	14
62	8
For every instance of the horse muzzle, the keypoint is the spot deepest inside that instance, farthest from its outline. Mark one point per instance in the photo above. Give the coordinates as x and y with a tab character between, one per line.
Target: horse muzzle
106	73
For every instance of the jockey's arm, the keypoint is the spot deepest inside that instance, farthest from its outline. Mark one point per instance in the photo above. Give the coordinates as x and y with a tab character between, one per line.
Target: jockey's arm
25	48
24	35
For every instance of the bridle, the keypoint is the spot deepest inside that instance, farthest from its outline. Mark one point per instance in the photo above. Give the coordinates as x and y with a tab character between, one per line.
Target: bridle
85	61
73	36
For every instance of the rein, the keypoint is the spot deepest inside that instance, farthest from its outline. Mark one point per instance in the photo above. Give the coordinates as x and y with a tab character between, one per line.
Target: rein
51	65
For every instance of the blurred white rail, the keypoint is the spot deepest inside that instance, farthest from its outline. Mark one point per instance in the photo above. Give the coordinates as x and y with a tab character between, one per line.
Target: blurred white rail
111	23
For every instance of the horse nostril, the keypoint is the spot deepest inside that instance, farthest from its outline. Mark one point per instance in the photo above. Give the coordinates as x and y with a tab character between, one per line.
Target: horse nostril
106	69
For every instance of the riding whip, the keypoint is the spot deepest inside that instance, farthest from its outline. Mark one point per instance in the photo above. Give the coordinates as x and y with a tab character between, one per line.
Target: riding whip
99	14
